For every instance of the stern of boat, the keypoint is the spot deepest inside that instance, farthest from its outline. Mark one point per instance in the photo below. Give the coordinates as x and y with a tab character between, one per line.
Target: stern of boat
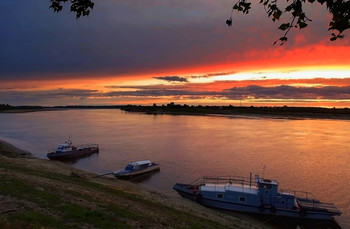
318	209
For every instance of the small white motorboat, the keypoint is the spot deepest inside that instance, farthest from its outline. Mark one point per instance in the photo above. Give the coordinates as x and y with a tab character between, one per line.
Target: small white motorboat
137	168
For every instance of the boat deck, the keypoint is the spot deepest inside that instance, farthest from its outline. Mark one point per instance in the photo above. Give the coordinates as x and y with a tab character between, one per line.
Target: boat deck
308	204
230	187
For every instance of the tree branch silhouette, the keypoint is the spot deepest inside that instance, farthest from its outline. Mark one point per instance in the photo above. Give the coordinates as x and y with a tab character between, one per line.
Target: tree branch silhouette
79	7
339	10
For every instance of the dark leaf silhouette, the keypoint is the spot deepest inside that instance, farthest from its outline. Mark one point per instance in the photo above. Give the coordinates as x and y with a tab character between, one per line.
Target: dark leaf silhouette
79	7
284	26
339	10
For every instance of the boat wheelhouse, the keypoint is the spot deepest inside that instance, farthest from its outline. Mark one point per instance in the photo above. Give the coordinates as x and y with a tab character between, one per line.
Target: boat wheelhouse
137	168
256	195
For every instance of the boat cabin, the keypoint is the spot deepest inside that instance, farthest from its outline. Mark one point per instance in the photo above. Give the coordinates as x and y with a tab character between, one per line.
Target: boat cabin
138	165
65	147
261	196
270	196
263	193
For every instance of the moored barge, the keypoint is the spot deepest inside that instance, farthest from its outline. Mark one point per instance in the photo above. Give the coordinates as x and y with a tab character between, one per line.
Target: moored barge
256	195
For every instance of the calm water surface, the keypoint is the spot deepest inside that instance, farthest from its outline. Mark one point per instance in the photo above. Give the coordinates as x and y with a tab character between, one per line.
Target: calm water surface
310	155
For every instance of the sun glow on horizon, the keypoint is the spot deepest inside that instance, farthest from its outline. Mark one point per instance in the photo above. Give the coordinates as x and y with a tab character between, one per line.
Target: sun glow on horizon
325	86
303	74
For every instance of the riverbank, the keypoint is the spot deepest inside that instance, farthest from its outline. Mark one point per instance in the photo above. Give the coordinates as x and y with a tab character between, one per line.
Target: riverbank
177	109
38	193
274	112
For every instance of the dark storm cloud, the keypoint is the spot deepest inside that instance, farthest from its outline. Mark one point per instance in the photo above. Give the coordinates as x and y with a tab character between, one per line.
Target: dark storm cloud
57	94
47	97
289	92
172	78
73	96
118	37
252	91
152	87
156	92
212	74
81	93
126	37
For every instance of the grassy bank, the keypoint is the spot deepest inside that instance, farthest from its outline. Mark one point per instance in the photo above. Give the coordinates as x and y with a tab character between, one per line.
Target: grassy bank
37	193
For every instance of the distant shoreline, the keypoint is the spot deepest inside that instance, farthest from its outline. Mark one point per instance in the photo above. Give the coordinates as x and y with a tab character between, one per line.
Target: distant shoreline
274	112
172	109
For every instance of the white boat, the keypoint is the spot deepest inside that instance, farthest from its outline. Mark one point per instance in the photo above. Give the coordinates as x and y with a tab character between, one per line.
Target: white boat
257	195
137	168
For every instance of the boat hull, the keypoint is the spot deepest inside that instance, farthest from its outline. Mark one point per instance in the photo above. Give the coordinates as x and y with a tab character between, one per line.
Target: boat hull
127	175
193	193
73	154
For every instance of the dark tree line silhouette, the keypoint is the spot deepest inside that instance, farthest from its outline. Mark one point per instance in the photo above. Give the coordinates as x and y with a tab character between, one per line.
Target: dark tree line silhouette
279	111
178	109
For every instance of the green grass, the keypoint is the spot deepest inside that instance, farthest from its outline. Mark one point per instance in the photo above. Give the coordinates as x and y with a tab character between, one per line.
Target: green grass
60	206
52	203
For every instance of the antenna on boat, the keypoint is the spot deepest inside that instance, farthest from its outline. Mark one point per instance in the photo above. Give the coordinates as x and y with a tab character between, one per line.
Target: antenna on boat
69	141
250	179
263	172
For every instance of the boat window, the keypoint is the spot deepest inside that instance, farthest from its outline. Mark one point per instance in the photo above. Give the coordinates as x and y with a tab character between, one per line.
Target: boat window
129	167
265	186
242	199
143	166
219	195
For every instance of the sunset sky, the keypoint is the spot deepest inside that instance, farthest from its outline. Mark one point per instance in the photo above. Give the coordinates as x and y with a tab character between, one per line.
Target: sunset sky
162	51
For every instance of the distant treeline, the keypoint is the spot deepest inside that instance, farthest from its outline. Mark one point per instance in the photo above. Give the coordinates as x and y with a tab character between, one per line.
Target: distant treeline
4	107
87	107
7	107
171	108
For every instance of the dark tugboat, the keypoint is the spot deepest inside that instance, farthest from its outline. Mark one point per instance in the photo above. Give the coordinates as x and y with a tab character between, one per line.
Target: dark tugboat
68	151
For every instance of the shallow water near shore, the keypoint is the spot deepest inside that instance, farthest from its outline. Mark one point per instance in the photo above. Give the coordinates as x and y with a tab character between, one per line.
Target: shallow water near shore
302	154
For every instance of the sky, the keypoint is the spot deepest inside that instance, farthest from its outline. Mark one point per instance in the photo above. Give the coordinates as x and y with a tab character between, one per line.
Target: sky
161	51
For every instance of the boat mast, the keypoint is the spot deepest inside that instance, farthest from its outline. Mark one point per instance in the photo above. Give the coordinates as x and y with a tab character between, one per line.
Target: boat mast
263	172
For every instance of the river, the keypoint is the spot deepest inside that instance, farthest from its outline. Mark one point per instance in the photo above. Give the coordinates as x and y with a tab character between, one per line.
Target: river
303	154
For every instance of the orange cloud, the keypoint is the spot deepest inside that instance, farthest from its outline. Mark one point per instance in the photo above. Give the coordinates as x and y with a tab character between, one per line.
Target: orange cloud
277	59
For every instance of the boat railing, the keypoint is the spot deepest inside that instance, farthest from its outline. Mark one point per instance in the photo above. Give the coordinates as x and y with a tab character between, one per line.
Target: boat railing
87	145
307	200
223	180
309	196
